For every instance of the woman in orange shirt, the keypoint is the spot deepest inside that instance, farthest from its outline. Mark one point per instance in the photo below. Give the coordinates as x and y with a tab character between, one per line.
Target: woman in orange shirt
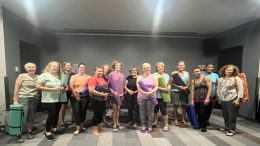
77	83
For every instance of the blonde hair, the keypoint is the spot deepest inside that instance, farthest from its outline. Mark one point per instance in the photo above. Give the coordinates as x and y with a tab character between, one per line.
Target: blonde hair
115	62
47	68
146	64
160	63
28	63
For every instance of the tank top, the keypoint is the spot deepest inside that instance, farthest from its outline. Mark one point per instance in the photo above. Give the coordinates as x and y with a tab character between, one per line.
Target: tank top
28	87
149	83
201	90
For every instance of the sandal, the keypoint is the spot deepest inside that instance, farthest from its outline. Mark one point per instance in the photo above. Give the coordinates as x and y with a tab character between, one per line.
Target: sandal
230	133
154	124
165	129
184	123
114	129
176	123
120	127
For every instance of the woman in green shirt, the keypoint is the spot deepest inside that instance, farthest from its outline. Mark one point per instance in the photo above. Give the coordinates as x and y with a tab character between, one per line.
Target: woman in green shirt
54	89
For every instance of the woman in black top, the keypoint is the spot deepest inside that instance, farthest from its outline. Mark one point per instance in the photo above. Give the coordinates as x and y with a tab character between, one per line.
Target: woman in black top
131	96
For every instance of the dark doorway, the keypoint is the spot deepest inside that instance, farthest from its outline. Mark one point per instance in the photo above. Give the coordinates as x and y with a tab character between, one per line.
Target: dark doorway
29	53
232	55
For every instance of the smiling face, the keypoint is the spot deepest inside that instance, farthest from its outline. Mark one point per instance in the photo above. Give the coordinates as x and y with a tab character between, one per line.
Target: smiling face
160	69
181	66
197	72
229	71
54	67
118	66
67	67
146	68
106	69
30	68
209	68
82	69
99	72
134	71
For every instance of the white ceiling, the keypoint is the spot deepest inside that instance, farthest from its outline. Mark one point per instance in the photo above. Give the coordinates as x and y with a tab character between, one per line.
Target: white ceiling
193	16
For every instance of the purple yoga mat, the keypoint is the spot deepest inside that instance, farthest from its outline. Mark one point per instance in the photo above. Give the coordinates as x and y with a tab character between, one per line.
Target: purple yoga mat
84	91
146	89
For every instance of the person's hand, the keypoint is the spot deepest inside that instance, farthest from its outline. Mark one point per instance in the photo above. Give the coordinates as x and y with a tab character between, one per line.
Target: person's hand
77	98
105	95
116	94
206	102
219	101
192	102
184	88
16	102
236	102
130	92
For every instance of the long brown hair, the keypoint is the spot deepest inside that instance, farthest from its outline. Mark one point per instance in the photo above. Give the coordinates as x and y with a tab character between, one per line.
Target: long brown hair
235	70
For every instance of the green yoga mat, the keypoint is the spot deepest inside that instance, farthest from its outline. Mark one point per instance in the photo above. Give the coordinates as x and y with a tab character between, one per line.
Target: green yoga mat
162	83
15	119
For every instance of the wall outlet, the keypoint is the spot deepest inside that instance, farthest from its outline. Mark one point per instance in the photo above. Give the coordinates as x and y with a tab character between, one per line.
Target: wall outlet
16	69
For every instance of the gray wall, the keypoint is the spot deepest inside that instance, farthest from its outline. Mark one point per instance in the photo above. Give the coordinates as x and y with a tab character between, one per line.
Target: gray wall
249	36
97	50
16	29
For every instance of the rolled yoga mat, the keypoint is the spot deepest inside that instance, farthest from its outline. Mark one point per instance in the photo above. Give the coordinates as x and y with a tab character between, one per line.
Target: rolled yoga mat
99	89
146	89
162	83
192	115
84	91
15	119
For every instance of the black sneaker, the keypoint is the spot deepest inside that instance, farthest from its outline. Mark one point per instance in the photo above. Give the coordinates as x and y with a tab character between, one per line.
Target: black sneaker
30	135
49	137
19	139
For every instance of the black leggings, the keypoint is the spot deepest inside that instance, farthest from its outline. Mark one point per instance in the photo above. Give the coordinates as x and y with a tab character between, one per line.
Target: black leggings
53	115
162	106
99	108
202	111
80	109
133	108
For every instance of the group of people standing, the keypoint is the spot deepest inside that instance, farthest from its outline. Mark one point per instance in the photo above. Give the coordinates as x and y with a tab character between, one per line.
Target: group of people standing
145	95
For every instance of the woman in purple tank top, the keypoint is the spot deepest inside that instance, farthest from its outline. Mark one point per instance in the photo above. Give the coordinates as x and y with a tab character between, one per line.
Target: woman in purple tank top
144	99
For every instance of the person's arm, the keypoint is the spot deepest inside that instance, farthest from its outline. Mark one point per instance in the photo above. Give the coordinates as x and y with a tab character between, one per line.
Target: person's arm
18	84
240	90
218	91
192	92
209	85
130	92
74	92
41	85
138	86
155	87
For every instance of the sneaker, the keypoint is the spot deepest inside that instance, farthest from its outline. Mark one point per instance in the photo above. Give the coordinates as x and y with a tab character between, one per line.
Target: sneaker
19	139
30	135
150	130
49	137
